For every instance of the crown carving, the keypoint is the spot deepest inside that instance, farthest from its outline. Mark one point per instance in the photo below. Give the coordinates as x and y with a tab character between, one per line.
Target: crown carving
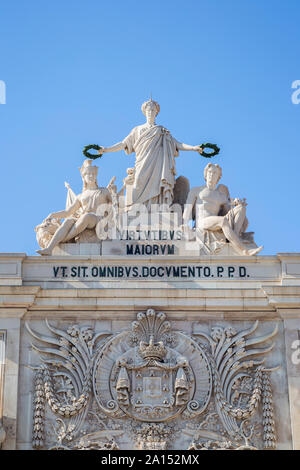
152	350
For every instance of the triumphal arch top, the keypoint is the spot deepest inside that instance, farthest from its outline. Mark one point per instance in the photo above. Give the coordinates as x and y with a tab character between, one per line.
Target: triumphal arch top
149	318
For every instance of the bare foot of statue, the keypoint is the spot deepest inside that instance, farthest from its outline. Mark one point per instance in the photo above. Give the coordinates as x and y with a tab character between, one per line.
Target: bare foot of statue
44	251
254	251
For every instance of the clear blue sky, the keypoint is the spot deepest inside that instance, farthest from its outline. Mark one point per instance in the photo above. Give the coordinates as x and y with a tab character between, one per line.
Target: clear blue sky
77	72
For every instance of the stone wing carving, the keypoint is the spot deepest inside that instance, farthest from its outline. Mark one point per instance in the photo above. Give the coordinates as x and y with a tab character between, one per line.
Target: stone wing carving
64	378
240	379
181	190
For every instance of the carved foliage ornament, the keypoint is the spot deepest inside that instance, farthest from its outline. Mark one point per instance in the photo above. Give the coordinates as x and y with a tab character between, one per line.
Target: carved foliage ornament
156	378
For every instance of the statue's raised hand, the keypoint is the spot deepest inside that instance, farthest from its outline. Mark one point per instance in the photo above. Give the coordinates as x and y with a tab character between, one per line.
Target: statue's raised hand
198	148
111	186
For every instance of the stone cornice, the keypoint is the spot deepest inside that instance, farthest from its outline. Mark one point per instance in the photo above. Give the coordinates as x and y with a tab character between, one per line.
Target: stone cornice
285	299
272	295
15	300
11	268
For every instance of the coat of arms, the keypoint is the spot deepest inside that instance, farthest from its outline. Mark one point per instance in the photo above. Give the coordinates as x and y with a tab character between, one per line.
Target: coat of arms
153	380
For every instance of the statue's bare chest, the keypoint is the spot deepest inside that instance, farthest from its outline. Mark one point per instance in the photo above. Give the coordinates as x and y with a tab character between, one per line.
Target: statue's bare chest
211	198
93	197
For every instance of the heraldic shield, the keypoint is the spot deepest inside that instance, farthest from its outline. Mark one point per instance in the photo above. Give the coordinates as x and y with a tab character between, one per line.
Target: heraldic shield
145	373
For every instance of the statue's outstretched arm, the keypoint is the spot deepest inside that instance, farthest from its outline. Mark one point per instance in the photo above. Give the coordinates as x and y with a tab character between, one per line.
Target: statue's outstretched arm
66	213
182	146
113	148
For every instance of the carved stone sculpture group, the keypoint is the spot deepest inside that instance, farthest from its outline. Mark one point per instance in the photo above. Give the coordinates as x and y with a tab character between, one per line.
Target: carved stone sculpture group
97	213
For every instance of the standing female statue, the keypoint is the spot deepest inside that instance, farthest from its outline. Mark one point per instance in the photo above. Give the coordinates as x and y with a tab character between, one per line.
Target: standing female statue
155	149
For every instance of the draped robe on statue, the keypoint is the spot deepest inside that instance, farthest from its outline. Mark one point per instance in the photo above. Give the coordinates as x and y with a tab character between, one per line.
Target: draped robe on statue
155	150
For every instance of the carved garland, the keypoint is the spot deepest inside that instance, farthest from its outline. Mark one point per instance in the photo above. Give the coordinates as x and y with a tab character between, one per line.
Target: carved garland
268	414
39	411
65	410
44	391
239	413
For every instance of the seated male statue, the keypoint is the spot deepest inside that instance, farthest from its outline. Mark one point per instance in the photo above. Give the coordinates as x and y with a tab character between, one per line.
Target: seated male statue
213	212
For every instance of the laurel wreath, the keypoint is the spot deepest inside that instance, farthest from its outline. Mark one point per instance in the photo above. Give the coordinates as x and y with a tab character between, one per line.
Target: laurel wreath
215	148
93	156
